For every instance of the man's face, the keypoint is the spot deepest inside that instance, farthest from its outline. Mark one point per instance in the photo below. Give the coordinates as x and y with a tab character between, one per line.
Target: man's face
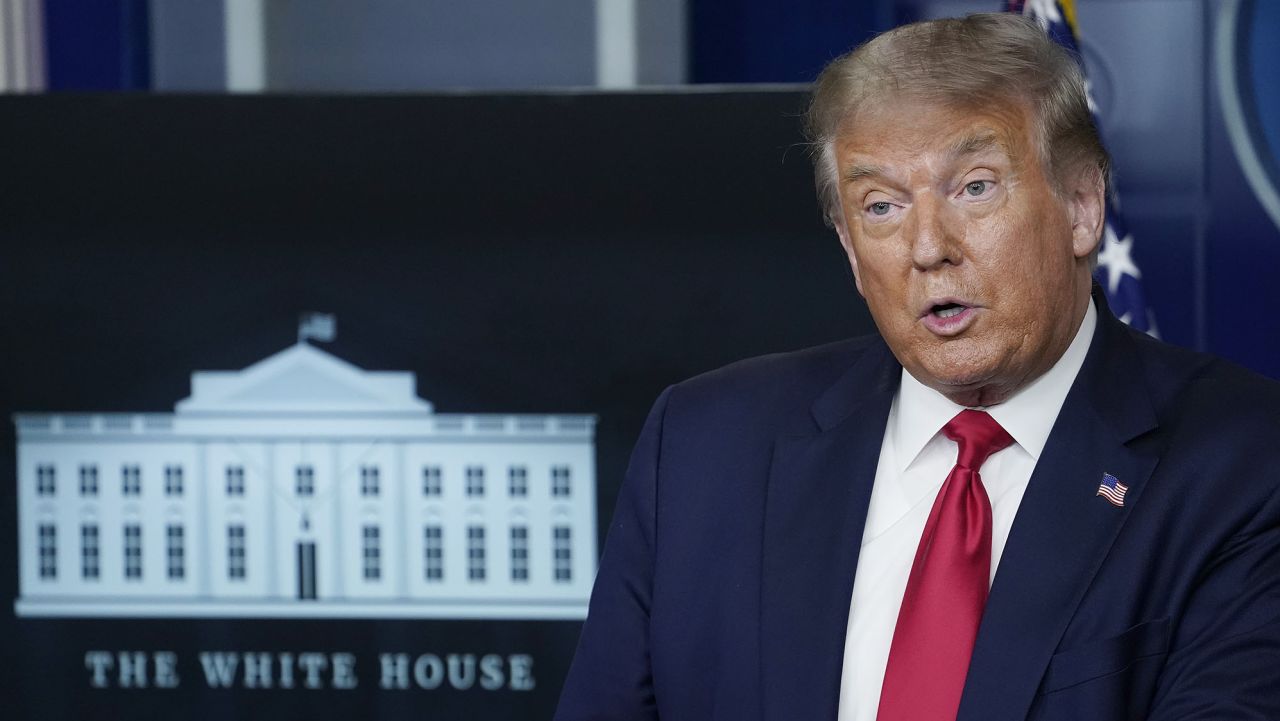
975	271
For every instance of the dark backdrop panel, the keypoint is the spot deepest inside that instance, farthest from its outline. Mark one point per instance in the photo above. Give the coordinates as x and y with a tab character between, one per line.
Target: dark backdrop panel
547	253
777	41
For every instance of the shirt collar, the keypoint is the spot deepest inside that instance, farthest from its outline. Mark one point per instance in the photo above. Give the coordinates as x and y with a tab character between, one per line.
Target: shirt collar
1028	415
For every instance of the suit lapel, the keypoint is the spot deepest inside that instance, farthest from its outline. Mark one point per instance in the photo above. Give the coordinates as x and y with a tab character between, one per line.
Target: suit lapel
1063	530
819	487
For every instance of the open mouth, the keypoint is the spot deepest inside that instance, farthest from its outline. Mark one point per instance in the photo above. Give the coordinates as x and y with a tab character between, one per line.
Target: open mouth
949	318
947	310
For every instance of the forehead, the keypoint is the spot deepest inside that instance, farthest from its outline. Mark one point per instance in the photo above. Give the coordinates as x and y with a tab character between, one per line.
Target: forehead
905	130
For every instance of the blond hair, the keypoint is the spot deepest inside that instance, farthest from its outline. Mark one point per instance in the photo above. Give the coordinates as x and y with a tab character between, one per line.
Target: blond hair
978	60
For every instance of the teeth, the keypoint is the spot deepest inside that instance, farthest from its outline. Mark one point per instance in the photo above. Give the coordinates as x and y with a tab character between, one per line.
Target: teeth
951	311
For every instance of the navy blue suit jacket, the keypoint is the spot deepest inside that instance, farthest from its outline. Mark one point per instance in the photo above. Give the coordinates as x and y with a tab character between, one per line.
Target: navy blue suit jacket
724	588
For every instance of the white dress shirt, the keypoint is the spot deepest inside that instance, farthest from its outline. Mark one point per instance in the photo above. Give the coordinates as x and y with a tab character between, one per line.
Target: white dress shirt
915	458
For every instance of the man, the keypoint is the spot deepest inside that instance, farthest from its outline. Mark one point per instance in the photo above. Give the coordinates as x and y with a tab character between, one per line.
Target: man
1005	506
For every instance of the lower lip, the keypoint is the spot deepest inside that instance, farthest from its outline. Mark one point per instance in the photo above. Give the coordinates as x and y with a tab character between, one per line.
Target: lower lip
951	326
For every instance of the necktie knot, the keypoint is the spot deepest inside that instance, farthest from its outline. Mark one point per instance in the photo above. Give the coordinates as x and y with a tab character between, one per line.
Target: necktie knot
978	435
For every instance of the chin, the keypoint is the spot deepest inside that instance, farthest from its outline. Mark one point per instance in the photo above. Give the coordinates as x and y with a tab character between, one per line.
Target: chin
966	386
959	369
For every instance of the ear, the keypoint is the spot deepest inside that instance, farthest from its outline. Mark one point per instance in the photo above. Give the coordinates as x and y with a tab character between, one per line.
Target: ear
1088	208
842	230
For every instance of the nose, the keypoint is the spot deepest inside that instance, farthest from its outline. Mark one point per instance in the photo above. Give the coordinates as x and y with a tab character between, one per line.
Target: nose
936	236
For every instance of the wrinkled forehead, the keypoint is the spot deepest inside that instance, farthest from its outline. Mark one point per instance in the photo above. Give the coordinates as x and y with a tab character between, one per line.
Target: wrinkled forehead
886	101
948	129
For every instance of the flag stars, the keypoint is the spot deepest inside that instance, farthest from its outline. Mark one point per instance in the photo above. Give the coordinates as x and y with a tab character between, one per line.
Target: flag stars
1116	257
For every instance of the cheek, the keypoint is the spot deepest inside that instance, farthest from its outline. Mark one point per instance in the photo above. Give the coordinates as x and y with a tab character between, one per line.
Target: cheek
883	254
1018	253
879	286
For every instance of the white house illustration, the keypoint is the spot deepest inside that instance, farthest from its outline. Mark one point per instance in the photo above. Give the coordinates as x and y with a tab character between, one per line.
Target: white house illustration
303	486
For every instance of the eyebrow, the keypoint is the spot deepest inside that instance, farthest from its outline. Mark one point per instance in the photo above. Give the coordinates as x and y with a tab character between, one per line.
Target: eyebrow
964	146
975	143
858	172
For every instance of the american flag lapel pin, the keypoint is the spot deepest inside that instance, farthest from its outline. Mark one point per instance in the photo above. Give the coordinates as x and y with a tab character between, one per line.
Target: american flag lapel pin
1112	490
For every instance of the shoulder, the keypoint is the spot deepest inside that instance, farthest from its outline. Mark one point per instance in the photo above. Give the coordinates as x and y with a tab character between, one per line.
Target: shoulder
1210	397
775	390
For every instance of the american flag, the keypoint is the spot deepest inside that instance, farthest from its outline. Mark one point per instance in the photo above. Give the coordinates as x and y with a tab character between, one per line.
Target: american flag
1116	272
1112	490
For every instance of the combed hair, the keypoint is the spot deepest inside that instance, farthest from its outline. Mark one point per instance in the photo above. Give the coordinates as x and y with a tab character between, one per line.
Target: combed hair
968	62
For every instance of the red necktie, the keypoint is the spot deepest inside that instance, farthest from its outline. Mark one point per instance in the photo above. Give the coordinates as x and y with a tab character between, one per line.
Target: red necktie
938	621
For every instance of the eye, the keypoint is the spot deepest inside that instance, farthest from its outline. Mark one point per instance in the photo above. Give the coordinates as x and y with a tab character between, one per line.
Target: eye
977	188
881	208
